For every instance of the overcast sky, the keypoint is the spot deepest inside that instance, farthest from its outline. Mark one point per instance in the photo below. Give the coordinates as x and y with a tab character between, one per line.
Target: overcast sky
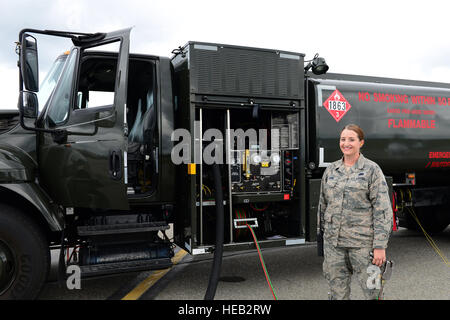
398	39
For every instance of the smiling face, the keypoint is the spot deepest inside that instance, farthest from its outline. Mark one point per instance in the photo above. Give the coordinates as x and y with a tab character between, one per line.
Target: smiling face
350	143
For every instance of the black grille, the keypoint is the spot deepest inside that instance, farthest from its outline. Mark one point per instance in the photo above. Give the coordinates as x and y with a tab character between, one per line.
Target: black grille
238	71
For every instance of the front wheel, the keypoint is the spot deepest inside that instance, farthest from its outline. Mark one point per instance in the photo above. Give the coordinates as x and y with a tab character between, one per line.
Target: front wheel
24	255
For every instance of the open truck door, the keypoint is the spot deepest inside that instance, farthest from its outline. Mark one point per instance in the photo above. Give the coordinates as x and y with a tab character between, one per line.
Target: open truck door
82	144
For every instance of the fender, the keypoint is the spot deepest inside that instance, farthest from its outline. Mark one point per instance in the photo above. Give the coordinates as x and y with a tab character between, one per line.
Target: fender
32	193
18	175
16	165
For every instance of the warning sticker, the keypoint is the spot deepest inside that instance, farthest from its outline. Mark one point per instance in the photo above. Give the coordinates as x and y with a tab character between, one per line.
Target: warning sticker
337	105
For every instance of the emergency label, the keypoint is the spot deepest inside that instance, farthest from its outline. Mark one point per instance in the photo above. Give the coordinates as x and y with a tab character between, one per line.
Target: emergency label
432	155
337	105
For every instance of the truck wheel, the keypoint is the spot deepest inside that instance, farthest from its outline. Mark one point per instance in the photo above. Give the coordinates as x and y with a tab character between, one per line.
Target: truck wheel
433	219
24	255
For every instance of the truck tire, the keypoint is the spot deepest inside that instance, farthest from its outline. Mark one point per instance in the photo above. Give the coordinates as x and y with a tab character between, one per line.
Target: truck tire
24	255
433	219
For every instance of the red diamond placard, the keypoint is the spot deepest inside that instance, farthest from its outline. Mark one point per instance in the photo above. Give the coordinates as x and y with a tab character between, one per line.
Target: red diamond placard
337	105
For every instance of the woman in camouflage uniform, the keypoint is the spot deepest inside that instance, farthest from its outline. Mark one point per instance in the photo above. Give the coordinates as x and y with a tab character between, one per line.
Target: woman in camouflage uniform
356	215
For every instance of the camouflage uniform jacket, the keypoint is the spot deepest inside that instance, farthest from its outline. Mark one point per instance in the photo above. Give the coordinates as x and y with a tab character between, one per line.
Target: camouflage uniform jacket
354	205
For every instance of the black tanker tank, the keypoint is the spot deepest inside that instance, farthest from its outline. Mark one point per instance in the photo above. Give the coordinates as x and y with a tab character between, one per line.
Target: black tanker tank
406	123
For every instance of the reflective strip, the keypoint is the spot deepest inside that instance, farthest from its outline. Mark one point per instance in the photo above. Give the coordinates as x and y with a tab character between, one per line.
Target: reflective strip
321	158
289	56
319	93
125	166
291	242
205	47
191	168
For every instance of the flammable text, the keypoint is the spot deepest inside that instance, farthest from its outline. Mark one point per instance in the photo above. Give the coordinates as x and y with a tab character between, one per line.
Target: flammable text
411	123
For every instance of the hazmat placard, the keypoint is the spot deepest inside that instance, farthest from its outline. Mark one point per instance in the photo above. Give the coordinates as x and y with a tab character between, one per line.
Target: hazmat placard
337	105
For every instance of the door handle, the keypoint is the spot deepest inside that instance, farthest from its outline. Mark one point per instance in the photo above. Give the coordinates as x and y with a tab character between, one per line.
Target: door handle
115	164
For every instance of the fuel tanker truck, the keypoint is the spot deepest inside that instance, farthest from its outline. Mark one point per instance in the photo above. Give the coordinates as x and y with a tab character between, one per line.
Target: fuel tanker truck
104	179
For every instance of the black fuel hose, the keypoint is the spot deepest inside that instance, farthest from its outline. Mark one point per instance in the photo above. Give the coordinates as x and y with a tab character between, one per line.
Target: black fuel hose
218	252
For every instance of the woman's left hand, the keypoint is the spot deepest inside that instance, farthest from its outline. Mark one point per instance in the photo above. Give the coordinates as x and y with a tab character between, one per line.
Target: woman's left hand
379	257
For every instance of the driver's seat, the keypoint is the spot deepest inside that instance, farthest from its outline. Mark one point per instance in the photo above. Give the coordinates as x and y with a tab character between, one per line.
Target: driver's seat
140	140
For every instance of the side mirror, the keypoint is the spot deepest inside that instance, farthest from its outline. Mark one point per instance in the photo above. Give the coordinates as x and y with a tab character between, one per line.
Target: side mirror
28	104
29	67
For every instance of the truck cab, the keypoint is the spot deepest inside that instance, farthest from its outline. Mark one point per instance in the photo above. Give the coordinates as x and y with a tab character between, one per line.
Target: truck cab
89	169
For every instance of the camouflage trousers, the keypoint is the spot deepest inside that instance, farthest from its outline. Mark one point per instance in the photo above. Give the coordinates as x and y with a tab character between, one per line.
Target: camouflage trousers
340	264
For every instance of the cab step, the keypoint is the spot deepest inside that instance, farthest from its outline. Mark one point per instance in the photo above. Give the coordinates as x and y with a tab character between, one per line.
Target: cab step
122	228
125	266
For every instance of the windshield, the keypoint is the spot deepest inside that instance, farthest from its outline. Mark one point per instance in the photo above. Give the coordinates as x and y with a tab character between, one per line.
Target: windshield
50	80
59	103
